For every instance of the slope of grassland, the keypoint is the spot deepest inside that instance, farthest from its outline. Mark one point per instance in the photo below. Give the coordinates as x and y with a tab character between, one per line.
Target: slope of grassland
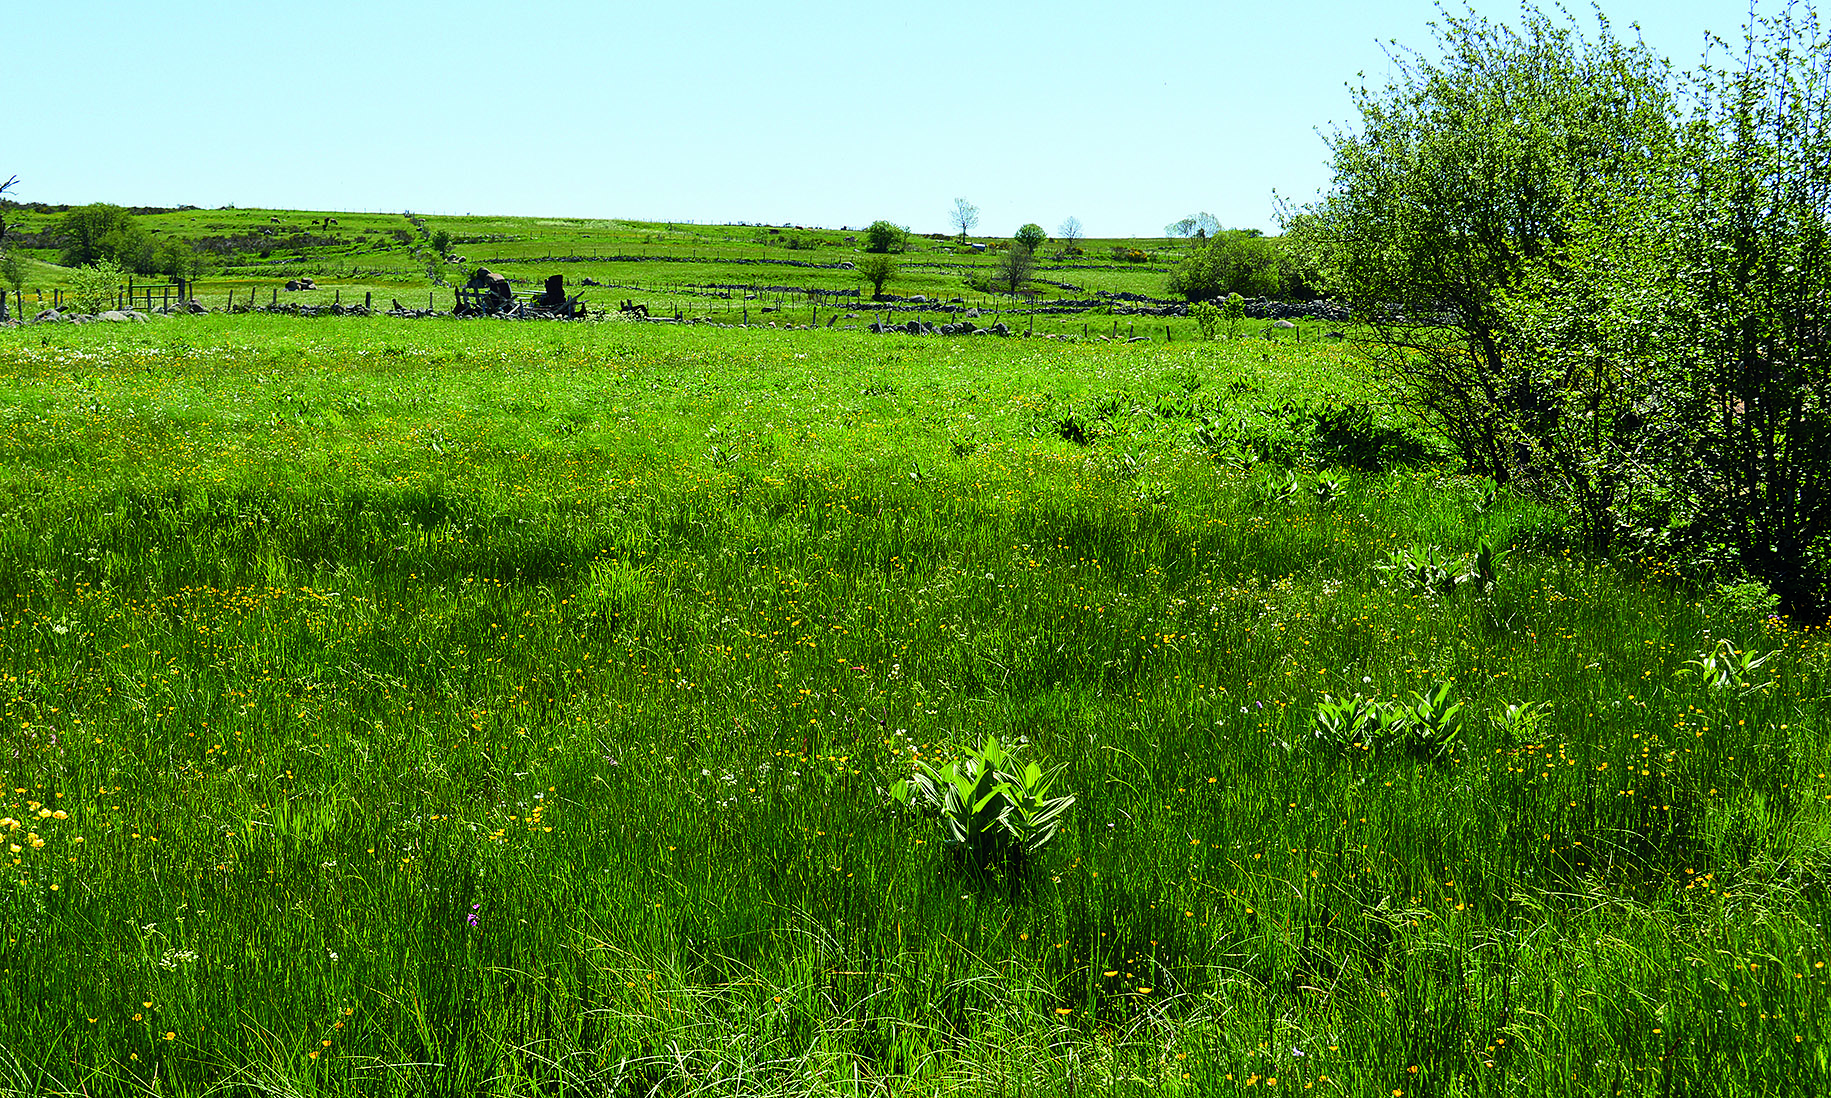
472	708
699	269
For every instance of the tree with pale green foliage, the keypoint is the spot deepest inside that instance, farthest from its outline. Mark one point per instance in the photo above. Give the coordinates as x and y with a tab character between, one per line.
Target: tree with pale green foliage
1239	261
1469	179
1201	225
877	268
12	273
11	182
884	237
1616	305
1031	237
97	287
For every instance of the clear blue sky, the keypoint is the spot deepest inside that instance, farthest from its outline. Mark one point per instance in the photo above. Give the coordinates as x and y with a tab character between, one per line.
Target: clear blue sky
1125	115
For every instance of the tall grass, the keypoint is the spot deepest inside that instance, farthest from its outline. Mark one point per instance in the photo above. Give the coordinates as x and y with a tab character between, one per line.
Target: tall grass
459	709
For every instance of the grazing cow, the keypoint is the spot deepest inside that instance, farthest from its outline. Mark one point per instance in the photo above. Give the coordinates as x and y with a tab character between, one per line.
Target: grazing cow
274	220
329	221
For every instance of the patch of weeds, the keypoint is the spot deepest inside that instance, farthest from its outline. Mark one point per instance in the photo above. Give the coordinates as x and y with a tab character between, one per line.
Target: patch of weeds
993	812
1428	727
1430	571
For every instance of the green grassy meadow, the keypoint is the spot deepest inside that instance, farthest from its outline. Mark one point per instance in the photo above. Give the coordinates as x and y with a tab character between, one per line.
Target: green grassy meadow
725	273
476	708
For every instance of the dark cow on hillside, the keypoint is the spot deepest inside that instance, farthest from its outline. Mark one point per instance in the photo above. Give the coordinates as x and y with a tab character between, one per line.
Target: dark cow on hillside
497	295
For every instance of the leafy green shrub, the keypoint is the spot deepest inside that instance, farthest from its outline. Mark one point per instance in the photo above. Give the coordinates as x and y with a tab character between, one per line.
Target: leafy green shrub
1347	434
1301	434
1032	236
1749	599
1429	571
877	269
1235	261
989	815
1233	313
1207	317
97	287
884	236
103	231
1429	727
12	273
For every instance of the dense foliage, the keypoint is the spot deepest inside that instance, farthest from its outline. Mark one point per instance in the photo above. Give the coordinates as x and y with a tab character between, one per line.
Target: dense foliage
877	268
1232	261
886	236
1601	298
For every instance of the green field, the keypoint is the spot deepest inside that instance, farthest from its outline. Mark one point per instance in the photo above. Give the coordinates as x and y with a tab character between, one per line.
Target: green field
727	273
438	707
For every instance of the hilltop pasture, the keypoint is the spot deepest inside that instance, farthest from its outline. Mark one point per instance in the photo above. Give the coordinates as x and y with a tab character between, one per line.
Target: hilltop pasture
725	273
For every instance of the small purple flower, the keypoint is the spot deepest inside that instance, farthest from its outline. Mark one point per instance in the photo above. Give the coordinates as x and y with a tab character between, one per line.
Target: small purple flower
474	908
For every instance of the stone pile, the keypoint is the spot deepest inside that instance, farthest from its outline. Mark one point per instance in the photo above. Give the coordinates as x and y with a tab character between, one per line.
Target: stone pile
112	316
293	309
922	327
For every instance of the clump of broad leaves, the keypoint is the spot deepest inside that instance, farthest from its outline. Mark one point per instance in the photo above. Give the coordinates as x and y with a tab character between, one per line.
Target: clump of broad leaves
994	813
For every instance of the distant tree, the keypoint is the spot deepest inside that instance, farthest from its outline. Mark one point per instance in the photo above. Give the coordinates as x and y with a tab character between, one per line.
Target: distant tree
1032	237
884	237
1069	233
1235	261
877	268
965	217
1013	268
1202	225
101	231
5	187
179	259
441	243
12	272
